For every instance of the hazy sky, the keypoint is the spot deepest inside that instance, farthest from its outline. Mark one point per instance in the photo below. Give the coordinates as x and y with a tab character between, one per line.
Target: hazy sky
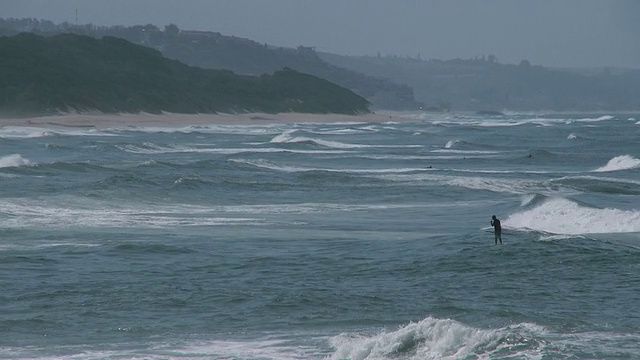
546	32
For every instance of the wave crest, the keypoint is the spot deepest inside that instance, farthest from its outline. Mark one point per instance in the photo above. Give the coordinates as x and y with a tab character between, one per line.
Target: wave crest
624	162
14	160
566	217
434	338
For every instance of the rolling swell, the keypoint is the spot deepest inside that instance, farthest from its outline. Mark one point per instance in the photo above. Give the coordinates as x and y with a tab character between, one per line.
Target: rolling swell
74	166
125	180
326	243
594	184
150	248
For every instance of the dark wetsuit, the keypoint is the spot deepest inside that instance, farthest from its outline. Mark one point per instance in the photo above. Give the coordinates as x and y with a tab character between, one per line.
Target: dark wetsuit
498	230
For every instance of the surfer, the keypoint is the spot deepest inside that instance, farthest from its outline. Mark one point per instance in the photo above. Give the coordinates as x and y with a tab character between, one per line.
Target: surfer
497	229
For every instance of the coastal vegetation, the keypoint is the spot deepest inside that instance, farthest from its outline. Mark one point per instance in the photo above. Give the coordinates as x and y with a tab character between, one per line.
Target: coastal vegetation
386	82
212	50
70	72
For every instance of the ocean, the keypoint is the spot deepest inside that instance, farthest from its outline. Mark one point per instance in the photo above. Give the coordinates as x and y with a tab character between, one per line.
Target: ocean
323	241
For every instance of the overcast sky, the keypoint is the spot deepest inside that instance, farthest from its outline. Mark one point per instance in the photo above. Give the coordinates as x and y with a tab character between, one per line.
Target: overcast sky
582	33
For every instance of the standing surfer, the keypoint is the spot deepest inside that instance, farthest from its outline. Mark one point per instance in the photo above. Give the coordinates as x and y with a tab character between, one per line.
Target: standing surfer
497	229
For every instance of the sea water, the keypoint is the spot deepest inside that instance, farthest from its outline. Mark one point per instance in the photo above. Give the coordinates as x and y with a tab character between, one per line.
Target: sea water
323	241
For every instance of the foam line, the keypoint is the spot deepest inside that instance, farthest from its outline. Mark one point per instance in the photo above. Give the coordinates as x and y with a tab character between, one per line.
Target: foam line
150	148
262	163
434	338
288	138
565	217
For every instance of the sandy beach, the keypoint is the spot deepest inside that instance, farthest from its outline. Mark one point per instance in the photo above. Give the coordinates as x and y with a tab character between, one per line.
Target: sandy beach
171	119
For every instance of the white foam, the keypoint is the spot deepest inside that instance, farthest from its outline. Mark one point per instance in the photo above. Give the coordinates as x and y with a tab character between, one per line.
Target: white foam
22	213
14	160
517	121
440	339
256	349
565	217
372	128
543	123
598	119
510	186
267	349
508	123
437	339
572	136
598	178
480	123
464	151
150	148
26	132
286	137
330	144
344	131
303	208
487	171
527	199
623	162
23	132
556	237
460	156
45	245
430	339
69	213
257	130
262	163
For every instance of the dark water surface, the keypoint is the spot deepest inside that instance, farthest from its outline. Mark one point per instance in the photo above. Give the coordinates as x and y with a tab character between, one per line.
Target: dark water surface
323	241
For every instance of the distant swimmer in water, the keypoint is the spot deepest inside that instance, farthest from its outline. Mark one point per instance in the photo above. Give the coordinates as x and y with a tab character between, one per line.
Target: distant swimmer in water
497	229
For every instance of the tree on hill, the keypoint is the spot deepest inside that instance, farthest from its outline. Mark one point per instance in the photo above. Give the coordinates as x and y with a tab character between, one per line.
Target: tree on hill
212	50
80	73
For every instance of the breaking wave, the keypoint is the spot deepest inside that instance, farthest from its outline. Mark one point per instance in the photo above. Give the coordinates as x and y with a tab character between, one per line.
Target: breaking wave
288	138
434	338
565	217
14	160
624	162
601	118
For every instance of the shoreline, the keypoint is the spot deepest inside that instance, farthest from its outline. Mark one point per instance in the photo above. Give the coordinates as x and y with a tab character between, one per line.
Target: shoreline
175	120
101	121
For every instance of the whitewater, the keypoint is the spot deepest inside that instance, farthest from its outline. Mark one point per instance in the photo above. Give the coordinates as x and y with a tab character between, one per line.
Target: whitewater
347	240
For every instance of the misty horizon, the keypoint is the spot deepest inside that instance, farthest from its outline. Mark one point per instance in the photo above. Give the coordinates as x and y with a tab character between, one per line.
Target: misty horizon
584	33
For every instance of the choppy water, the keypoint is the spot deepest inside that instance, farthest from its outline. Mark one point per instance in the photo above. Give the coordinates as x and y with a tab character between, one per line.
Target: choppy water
323	241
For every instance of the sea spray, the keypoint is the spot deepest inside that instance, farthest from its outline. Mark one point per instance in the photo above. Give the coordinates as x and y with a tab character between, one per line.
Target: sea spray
14	160
563	216
623	162
434	338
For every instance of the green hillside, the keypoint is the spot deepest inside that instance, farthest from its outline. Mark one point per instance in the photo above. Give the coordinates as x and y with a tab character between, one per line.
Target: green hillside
80	73
212	50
